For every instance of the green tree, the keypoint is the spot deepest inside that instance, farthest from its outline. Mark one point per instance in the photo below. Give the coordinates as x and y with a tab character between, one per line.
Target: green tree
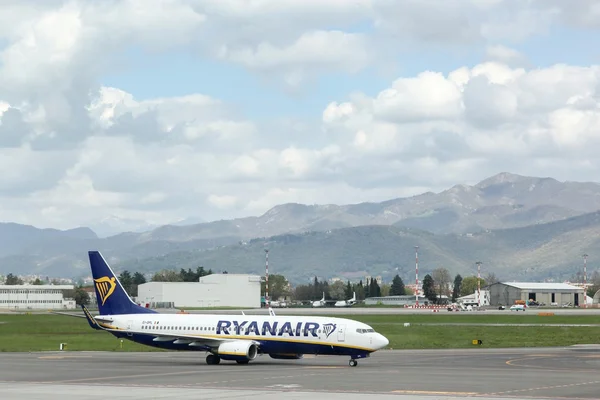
429	288
13	280
594	284
375	289
127	281
81	296
166	275
137	280
385	290
316	289
303	292
359	289
278	286
38	282
349	290
398	288
441	277
469	285
457	287
337	290
187	276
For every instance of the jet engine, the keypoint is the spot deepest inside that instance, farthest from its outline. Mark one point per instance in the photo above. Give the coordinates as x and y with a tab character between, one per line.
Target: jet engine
238	350
279	356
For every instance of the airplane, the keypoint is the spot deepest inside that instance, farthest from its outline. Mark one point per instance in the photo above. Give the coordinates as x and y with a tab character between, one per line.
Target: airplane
226	337
346	303
320	303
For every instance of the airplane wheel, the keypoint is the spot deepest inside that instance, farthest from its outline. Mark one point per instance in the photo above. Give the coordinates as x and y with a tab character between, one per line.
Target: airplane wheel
353	363
242	361
212	359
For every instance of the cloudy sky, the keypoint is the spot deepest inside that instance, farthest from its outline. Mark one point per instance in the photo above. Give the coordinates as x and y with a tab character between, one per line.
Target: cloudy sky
116	114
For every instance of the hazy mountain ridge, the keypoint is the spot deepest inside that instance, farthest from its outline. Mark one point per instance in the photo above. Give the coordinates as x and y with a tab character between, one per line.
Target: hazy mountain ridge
498	204
551	250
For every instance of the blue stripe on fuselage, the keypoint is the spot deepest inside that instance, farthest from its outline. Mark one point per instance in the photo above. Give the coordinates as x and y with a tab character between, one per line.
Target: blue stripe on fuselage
266	346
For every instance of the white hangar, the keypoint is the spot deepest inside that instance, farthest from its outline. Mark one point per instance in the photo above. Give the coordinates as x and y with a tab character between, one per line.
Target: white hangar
506	293
215	290
35	297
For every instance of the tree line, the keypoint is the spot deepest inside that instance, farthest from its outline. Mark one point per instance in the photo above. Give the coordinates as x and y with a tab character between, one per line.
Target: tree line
437	284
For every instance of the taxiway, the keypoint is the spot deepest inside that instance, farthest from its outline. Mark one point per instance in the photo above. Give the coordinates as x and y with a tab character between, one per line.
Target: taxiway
550	373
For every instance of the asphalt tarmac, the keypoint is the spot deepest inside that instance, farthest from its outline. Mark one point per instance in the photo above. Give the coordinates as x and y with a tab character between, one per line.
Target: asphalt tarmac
549	373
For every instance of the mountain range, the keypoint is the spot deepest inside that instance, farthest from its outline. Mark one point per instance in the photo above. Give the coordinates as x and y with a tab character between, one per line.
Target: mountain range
519	227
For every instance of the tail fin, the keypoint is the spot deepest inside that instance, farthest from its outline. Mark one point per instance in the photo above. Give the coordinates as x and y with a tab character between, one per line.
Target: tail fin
112	298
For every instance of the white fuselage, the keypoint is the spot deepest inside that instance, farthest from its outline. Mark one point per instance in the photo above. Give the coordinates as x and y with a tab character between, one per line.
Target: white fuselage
293	334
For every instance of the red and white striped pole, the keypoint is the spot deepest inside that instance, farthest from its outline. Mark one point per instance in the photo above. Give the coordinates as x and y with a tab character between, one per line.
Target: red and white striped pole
478	283
585	256
417	276
267	278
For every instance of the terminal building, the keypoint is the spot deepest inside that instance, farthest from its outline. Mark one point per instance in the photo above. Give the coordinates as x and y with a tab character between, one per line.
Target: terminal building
35	297
506	293
215	290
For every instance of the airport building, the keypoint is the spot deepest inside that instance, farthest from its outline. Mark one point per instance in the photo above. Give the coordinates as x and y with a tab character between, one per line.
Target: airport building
507	293
32	297
408	300
482	299
215	290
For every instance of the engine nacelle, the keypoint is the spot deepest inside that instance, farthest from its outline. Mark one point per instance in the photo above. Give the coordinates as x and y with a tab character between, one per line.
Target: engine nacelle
238	350
280	356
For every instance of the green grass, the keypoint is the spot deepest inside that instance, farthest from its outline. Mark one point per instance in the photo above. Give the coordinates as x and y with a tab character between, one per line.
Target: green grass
39	332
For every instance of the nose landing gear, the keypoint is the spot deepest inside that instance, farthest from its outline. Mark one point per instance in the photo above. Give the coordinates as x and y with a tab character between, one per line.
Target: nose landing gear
352	362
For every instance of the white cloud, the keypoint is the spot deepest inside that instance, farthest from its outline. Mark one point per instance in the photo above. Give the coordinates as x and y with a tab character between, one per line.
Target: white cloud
316	50
486	113
73	152
505	55
222	202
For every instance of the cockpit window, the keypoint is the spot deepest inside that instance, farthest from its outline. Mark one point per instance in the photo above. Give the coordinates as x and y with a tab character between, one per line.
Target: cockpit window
360	330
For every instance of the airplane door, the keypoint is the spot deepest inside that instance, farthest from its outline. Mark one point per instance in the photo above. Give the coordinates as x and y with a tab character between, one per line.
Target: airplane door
342	333
129	327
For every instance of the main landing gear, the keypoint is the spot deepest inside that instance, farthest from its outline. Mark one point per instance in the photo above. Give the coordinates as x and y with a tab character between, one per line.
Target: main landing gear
352	362
213	359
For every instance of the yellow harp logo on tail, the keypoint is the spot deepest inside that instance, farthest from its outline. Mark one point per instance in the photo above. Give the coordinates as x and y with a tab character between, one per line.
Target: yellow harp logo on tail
105	286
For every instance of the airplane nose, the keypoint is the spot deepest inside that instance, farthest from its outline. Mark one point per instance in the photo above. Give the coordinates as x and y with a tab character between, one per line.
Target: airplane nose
381	341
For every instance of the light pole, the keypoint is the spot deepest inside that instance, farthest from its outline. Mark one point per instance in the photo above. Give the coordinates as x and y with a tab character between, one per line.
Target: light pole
417	276
585	256
267	278
478	283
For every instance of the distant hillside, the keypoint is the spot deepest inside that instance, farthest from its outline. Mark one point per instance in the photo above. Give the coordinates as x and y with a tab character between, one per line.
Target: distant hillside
453	227
502	201
550	250
16	238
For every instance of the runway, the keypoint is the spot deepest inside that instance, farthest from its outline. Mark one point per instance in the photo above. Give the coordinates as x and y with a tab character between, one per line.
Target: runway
548	373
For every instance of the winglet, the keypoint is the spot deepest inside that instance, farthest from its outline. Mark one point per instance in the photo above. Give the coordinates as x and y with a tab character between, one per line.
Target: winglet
90	319
271	312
